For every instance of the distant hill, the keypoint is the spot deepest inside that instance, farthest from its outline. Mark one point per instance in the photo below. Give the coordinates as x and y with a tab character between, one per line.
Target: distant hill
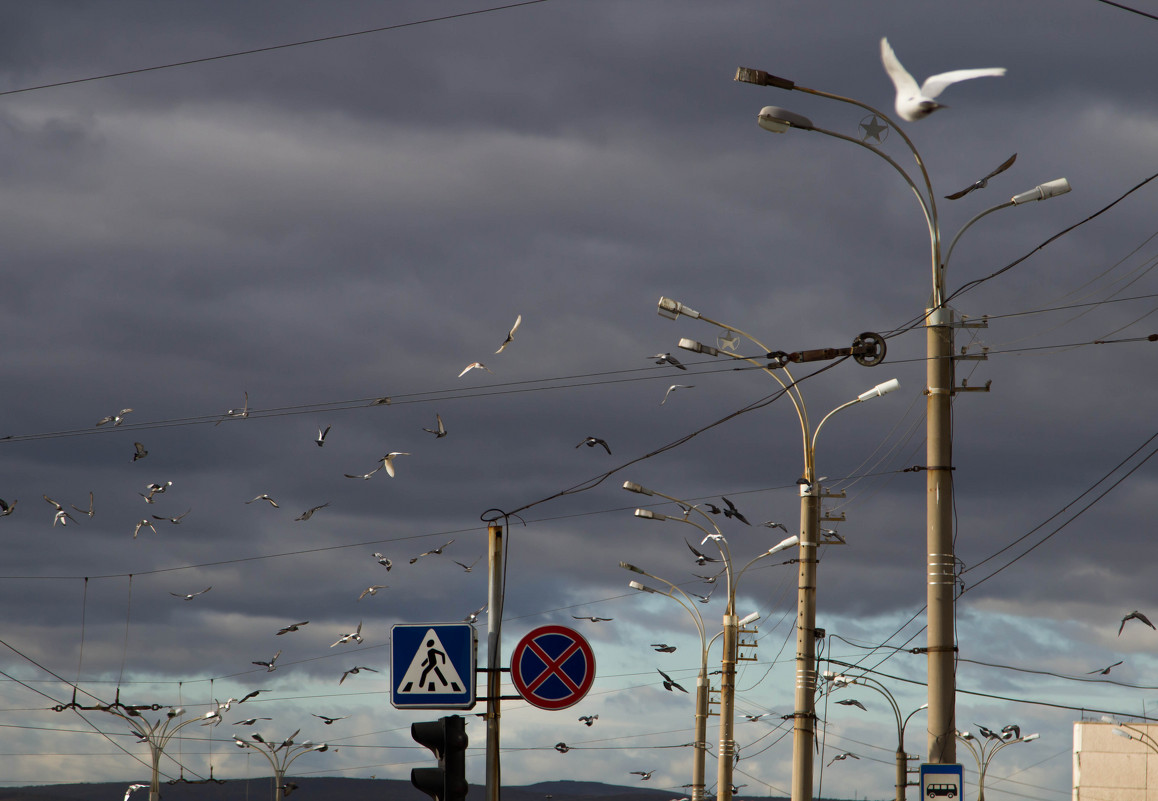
336	789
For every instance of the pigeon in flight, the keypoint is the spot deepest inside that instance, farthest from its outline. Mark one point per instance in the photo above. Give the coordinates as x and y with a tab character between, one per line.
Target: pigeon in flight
852	702
173	520
155	489
701	559
732	511
321	440
264	497
240	414
383	560
291	627
672	389
139	451
467	568
562	748
115	419
643	774
6	508
992	735
473	616
667	358
1005	165
439	430
189	596
308	513
354	636
432	552
772	524
372	590
842	757
249	721
1011	732
364	476
475	366
588	720
142	524
328	720
1104	671
511	333
269	666
669	682
593	619
354	671
832	535
913	102
89	511
133	788
663	647
61	515
388	461
591	442
1135	615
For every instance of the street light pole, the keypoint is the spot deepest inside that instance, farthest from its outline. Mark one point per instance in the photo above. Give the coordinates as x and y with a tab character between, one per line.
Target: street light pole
279	756
983	757
902	760
732	625
941	646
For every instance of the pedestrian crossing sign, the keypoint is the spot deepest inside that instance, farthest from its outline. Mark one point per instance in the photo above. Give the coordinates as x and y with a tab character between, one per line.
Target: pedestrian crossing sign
433	665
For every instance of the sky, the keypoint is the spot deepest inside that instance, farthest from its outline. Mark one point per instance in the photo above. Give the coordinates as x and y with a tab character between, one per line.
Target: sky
303	231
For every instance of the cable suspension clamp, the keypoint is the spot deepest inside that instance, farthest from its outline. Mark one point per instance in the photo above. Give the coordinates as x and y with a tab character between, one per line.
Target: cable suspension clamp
868	350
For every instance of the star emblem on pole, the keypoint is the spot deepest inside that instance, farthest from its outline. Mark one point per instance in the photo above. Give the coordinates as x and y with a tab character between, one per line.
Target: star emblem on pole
874	128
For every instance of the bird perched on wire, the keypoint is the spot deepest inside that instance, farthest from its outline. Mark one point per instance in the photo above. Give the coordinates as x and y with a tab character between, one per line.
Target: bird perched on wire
591	442
669	683
981	184
1135	615
917	102
562	748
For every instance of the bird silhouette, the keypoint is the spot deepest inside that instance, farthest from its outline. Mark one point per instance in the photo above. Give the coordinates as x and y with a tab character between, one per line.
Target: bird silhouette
981	184
588	720
511	334
914	103
669	683
115	419
439	430
1135	615
701	559
321	440
663	647
272	502
643	775
852	702
269	666
591	442
190	595
667	358
1104	671
139	451
354	671
672	389
732	511
308	513
291	627
844	756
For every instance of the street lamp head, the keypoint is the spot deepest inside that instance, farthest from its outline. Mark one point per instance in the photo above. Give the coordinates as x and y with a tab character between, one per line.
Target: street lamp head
647	514
176	711
779	120
752	618
784	544
698	347
1030	737
964	735
880	389
635	585
1123	733
672	309
761	78
632	568
1042	191
631	486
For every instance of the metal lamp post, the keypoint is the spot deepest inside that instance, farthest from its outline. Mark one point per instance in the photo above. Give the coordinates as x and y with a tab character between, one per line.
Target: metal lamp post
157	735
902	764
732	625
279	756
984	750
811	493
939	322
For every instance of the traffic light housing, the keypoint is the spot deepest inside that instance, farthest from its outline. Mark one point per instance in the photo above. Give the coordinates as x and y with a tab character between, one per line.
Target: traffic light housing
446	737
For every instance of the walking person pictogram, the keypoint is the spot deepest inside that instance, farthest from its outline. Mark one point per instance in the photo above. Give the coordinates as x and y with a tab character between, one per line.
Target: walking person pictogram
431	663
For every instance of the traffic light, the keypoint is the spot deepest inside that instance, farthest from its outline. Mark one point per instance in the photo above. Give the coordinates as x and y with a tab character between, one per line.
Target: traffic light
446	737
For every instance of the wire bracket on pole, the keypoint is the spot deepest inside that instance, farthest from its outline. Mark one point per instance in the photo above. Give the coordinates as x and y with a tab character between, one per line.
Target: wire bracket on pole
919	467
935	649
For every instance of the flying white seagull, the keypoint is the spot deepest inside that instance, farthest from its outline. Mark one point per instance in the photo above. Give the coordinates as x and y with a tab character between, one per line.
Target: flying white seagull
672	389
475	366
388	461
917	102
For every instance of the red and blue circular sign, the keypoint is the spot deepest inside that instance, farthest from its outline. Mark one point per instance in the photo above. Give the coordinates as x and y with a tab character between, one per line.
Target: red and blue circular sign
553	667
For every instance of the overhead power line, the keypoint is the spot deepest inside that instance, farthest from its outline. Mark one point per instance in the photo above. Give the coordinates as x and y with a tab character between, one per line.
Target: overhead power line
270	48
